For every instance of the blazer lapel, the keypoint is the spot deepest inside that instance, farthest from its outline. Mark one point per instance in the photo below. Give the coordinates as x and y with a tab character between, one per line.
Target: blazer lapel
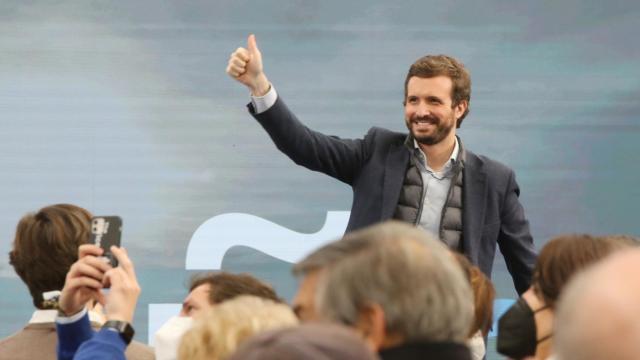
473	202
394	172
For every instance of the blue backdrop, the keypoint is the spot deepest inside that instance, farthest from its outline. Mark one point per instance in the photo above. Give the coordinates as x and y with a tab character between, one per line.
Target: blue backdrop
124	108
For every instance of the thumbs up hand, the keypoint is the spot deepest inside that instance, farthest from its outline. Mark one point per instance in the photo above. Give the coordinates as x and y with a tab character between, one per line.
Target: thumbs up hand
245	65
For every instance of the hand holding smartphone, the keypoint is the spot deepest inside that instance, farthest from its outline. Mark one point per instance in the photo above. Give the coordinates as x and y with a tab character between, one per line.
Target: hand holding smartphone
106	232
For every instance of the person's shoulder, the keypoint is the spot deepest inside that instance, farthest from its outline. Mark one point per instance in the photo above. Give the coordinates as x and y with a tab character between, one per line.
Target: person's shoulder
7	342
386	132
380	134
139	351
20	344
10	338
486	164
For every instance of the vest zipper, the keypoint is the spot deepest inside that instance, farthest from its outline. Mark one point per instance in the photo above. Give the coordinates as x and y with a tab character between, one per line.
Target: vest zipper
417	222
454	181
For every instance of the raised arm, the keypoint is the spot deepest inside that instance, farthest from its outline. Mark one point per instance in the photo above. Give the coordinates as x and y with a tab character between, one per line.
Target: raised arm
339	158
116	334
82	284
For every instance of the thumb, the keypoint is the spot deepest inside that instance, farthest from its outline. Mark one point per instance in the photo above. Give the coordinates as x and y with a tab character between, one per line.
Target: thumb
252	46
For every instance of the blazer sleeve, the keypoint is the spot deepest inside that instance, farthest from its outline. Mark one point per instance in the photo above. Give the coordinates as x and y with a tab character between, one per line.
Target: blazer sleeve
105	345
71	336
331	155
514	239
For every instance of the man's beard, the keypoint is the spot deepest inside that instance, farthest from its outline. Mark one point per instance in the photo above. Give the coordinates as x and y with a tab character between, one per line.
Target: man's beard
441	132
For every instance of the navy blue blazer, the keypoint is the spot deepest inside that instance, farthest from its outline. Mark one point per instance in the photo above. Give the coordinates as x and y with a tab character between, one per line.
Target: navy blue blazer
375	167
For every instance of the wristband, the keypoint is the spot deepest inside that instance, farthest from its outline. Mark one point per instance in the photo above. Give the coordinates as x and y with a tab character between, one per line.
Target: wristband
121	327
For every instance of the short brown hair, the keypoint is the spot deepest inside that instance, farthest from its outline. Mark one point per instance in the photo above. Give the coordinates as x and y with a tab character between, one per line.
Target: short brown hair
46	245
442	65
625	239
226	286
564	256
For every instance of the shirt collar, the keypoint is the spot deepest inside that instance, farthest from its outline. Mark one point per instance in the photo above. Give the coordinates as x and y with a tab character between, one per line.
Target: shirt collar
49	316
454	154
43	316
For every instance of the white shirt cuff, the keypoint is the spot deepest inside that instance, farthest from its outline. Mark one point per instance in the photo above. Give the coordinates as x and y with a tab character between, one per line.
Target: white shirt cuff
263	103
71	319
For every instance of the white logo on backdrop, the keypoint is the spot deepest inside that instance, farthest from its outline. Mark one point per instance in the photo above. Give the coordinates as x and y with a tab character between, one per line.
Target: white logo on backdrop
216	236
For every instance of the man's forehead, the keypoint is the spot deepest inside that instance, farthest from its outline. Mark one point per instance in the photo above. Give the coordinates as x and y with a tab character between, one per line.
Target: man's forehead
199	292
437	85
312	278
202	289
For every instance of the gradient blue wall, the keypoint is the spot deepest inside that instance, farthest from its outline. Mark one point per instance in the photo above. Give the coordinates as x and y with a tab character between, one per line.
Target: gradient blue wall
124	108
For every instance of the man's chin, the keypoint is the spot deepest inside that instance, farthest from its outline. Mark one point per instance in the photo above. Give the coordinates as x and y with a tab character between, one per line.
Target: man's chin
425	140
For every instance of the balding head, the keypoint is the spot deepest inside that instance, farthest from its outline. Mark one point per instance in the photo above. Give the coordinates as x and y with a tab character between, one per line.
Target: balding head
599	314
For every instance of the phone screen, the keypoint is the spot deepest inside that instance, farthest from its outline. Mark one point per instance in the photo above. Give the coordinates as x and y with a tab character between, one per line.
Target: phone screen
106	232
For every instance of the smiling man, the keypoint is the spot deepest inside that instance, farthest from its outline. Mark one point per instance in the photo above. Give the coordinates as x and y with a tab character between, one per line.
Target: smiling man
426	177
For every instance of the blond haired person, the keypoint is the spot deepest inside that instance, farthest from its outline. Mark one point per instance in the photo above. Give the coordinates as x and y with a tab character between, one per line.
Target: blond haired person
217	334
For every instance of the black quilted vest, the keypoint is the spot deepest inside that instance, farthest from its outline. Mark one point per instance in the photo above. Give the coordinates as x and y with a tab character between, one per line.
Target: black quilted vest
409	206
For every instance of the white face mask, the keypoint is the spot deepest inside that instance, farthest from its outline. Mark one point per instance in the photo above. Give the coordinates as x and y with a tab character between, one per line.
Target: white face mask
476	345
167	338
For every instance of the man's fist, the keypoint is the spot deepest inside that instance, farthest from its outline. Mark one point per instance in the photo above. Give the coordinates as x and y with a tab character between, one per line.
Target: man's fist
84	280
245	65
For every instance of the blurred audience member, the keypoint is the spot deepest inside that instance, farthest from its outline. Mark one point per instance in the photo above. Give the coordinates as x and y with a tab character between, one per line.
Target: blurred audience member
526	329
84	282
309	342
218	332
208	289
313	265
205	291
598	315
403	292
483	296
45	246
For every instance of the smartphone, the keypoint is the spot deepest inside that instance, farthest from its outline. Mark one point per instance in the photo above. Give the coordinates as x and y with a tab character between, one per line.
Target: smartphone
106	232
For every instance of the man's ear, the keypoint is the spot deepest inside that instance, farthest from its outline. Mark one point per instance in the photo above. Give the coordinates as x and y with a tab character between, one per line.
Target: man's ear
460	109
372	325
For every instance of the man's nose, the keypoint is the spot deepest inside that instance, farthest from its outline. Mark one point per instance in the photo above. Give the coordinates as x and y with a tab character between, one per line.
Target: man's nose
423	110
